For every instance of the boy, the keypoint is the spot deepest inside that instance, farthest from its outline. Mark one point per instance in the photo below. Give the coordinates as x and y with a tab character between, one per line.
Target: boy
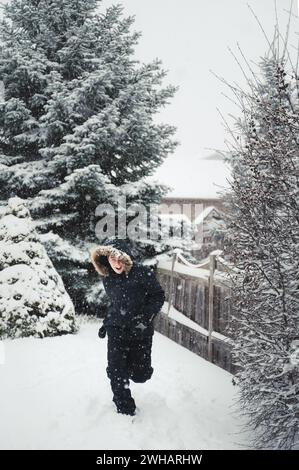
135	297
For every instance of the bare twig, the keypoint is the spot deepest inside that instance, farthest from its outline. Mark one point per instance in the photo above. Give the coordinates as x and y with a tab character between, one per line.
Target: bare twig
287	31
277	24
262	29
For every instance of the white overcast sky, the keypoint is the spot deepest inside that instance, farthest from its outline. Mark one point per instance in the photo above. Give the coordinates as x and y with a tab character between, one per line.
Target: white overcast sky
192	37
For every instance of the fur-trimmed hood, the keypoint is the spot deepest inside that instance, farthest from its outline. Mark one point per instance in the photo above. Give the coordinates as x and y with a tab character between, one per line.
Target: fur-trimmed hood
117	247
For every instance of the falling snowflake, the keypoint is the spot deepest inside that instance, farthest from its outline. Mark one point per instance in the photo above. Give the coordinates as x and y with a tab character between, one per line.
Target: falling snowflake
141	326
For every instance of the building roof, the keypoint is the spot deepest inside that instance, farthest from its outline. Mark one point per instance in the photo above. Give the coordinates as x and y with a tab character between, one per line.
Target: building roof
204	214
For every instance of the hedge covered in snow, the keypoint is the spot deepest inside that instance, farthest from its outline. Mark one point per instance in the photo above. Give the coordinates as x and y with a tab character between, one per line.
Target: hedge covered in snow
33	300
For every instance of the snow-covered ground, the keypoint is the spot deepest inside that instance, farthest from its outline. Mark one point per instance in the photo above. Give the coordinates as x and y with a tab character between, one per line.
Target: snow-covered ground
55	395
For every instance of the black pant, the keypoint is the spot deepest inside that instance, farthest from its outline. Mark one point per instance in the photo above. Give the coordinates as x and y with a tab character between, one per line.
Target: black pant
129	357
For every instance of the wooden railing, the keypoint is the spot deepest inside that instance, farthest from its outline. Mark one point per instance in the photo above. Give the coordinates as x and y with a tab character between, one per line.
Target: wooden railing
199	296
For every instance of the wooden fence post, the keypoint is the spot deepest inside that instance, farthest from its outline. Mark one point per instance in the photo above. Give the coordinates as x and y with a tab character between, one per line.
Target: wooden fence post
174	255
211	301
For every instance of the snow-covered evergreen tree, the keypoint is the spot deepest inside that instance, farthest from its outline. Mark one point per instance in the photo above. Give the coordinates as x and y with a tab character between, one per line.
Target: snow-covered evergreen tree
77	120
33	300
263	242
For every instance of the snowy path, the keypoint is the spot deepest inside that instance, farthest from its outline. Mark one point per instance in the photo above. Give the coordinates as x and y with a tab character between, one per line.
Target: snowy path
55	395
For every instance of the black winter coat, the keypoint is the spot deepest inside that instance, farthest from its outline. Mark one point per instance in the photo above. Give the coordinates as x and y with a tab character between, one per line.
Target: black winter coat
135	295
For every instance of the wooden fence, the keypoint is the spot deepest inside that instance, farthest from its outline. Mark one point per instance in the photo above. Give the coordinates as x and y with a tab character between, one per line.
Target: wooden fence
201	298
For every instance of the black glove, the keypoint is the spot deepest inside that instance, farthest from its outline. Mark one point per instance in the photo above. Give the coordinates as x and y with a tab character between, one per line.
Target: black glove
102	332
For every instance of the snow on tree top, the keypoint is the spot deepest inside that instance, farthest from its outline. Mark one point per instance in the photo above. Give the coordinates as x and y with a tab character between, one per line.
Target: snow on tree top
17	206
13	228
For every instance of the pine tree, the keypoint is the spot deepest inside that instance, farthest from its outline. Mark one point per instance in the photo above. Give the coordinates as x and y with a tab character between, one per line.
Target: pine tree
77	122
263	242
33	300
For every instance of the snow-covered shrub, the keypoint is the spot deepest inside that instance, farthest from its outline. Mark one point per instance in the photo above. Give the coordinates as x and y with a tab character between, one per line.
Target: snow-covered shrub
33	300
263	241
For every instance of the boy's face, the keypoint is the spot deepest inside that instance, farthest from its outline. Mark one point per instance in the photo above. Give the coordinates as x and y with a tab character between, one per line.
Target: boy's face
116	265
